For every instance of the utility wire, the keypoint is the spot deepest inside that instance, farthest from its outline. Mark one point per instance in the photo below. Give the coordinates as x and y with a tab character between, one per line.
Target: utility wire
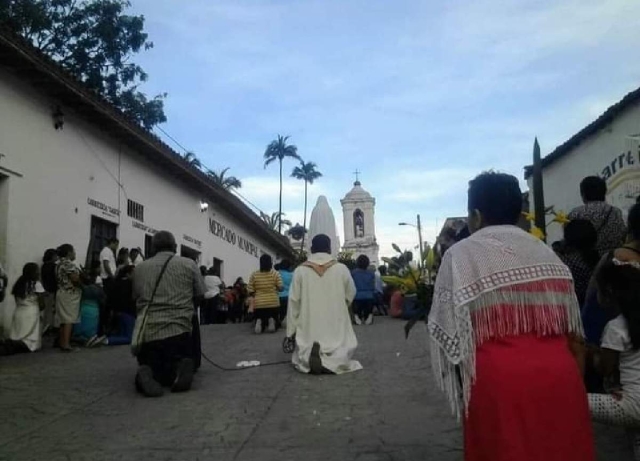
173	139
220	367
242	197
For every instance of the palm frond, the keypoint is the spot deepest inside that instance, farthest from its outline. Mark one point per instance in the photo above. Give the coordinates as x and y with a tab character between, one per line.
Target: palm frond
227	182
306	172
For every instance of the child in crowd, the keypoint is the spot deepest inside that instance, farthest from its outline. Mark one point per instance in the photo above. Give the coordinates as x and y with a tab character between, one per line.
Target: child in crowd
234	308
93	300
124	308
284	268
619	356
26	333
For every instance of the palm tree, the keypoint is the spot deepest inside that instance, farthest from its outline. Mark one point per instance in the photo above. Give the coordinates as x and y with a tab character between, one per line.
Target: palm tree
306	172
279	150
275	221
192	160
227	182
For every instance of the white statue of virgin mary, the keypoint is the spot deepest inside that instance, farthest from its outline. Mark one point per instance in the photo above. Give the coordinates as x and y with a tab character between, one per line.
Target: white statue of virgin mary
323	222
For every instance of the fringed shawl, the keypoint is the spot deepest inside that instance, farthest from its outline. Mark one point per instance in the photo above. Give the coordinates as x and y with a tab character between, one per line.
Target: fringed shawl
499	282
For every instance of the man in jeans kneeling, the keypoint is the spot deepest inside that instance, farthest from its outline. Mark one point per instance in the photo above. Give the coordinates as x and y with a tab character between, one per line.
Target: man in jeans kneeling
166	288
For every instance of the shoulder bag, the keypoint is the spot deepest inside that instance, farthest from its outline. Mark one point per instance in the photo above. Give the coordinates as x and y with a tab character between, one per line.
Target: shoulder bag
141	321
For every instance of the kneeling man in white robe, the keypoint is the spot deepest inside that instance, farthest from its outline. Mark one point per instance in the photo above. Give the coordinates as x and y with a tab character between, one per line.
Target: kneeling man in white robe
318	315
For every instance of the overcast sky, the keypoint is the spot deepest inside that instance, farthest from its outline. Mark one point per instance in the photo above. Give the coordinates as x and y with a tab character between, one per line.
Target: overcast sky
418	95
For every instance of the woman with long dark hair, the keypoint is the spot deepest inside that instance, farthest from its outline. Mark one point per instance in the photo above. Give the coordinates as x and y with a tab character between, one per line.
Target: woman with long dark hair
619	357
264	286
68	295
26	332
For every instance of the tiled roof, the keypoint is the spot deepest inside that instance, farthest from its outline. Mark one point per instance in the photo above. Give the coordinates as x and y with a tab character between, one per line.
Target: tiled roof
48	77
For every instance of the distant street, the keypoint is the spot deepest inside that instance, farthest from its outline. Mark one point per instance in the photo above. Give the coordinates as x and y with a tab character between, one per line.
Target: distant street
82	406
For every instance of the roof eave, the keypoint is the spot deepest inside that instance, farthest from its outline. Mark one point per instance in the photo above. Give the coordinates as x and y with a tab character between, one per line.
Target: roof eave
594	127
49	78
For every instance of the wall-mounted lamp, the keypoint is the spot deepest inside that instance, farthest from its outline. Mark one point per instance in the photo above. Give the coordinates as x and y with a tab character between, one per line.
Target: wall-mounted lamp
204	206
58	118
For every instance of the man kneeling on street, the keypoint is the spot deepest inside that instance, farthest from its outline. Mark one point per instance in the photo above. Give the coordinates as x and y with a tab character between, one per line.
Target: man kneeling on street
166	288
318	315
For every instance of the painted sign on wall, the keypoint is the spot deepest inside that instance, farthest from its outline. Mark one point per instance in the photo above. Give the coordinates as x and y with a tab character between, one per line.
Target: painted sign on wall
220	230
622	174
106	209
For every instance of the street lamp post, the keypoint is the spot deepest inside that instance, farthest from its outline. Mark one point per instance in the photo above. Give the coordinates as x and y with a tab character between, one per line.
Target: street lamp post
419	227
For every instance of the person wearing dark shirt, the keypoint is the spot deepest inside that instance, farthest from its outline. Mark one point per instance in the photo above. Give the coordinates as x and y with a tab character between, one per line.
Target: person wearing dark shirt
124	308
606	219
579	254
365	282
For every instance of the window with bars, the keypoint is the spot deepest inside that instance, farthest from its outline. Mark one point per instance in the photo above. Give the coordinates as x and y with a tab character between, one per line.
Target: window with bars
135	210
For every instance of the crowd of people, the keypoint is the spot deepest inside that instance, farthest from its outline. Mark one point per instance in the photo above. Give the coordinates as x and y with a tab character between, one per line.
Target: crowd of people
87	306
531	343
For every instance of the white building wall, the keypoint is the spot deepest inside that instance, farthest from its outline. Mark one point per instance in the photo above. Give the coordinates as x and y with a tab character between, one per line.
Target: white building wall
611	154
48	178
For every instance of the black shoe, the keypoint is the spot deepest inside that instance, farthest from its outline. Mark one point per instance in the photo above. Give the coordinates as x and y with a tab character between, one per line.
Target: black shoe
145	384
315	363
184	376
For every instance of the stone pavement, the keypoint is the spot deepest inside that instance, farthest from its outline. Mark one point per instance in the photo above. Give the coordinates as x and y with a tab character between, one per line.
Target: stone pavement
83	406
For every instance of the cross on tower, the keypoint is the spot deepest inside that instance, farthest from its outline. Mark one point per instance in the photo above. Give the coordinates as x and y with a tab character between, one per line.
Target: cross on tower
357	173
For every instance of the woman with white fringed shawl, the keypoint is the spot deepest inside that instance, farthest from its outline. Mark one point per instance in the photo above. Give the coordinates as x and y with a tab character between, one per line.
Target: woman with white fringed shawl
507	341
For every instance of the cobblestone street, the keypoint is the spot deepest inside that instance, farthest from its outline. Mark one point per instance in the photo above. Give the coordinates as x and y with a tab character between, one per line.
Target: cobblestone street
83	406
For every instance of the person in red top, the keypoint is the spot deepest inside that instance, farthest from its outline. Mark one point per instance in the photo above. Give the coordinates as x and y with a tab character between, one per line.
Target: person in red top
506	337
397	300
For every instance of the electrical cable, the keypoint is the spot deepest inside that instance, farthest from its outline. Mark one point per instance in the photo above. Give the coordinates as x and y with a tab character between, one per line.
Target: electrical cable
172	138
238	194
288	346
220	367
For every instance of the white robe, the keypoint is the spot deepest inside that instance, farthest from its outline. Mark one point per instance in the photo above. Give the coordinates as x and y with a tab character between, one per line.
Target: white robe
319	312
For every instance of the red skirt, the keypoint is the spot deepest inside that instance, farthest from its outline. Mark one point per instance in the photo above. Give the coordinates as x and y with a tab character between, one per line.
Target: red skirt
528	403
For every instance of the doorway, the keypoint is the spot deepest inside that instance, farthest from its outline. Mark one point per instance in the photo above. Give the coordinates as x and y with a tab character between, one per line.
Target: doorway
4	209
189	253
148	246
101	231
218	266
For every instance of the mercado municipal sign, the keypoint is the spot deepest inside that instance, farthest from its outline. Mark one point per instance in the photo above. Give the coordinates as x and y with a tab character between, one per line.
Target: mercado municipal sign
622	174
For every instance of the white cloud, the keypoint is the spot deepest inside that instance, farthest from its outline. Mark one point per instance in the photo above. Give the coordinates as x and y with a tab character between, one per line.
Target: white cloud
421	96
427	185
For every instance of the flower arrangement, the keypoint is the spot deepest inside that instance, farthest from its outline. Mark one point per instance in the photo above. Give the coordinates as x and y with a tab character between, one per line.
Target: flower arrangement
559	217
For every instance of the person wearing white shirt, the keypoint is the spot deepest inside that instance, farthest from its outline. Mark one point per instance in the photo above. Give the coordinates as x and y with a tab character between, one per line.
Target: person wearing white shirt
108	259
26	330
211	303
618	359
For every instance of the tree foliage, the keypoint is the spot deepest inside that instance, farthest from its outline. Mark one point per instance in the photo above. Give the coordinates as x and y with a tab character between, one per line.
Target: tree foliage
275	220
221	178
192	159
307	172
95	41
278	149
412	278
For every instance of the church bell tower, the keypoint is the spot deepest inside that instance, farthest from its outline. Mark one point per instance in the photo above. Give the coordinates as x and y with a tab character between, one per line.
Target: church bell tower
358	209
